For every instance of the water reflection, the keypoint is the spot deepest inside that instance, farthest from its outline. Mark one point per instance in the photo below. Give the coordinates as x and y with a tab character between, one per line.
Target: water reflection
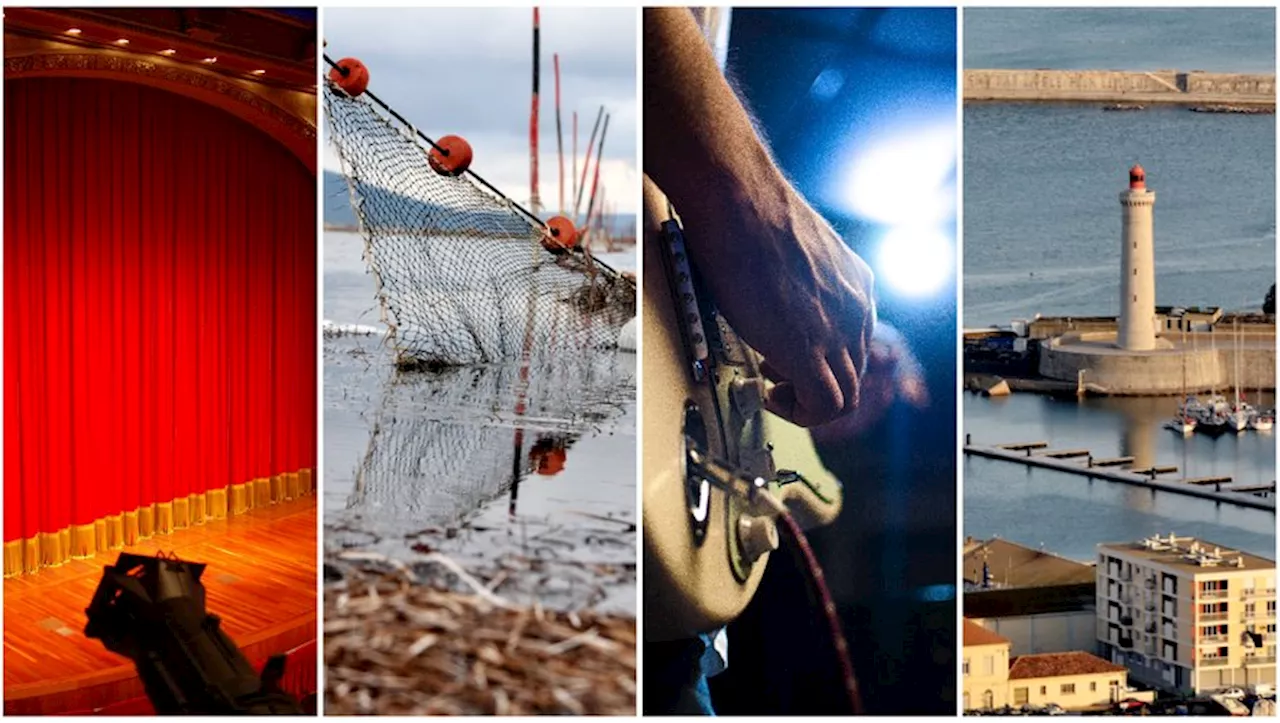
442	445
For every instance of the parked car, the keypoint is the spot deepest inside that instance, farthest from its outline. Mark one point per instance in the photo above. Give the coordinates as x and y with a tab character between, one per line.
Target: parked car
1130	705
1054	709
1234	693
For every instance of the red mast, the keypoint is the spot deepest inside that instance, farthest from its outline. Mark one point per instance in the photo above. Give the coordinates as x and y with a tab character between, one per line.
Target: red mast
534	201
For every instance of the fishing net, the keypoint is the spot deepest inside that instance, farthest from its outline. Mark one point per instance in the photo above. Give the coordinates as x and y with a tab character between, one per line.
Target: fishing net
462	277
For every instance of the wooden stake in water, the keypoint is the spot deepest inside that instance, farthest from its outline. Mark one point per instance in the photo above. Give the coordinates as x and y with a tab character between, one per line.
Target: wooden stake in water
559	134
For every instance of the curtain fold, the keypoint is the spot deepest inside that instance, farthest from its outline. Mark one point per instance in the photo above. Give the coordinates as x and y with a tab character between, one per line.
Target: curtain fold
160	359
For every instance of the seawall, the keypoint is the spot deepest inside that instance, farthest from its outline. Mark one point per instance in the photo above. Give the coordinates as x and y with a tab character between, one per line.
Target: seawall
1119	86
1111	371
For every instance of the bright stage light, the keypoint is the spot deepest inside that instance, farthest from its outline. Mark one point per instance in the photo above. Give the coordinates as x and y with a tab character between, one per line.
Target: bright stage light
914	261
904	175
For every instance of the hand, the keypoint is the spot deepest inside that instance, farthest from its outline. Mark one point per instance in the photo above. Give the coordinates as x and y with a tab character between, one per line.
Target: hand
893	375
795	293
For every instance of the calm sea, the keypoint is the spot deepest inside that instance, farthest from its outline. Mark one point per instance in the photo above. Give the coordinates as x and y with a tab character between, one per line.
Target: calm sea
1235	40
1042	215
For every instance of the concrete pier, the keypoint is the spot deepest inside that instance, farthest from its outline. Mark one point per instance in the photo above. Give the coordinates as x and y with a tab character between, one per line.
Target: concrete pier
1237	494
1117	86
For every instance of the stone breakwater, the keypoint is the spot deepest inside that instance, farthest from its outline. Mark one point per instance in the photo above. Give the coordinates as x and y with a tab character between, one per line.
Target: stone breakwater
1117	86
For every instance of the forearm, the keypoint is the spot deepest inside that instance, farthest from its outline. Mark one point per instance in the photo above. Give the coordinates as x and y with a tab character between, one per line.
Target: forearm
700	145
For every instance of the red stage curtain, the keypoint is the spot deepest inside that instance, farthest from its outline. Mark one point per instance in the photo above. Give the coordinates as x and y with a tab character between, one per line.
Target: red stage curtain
159	318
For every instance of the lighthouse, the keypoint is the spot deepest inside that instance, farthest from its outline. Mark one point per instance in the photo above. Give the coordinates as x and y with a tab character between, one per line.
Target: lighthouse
1137	265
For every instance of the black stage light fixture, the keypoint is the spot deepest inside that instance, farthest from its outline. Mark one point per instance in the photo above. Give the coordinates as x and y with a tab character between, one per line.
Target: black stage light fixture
152	611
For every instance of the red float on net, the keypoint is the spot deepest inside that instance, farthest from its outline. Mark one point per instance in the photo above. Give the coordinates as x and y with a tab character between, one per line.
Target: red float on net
451	156
351	76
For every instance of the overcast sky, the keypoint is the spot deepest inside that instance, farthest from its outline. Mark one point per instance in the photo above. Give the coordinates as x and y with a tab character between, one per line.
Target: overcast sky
469	72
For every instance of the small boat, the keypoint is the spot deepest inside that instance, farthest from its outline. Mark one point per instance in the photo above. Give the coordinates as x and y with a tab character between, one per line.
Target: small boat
1184	425
1238	420
1262	422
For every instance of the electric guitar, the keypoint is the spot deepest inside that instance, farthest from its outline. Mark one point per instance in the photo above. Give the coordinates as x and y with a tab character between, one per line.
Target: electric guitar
709	448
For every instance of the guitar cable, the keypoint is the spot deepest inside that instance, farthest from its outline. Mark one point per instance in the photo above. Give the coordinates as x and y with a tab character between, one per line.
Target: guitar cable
818	582
755	490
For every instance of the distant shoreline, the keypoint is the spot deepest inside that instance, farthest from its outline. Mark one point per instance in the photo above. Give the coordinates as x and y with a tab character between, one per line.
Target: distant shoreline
1170	87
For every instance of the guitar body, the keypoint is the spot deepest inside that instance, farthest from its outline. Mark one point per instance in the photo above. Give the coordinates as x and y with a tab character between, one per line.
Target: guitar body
702	562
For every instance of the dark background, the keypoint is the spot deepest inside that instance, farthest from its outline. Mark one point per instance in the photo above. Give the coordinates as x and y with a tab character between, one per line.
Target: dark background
891	557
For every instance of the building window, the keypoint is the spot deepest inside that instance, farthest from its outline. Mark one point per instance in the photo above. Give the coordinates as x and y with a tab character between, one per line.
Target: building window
988	700
966	666
1021	696
1067	689
1093	687
1044	690
988	665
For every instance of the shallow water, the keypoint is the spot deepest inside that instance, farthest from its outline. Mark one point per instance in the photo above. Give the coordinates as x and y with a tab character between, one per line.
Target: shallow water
466	461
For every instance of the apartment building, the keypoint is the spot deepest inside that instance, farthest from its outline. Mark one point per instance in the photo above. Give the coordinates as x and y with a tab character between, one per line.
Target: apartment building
1187	615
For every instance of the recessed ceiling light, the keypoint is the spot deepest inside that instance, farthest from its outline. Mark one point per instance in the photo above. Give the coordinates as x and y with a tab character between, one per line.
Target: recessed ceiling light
122	41
73	31
168	51
210	61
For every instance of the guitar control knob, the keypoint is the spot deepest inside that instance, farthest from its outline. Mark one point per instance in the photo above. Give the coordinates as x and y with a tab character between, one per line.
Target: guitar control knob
757	535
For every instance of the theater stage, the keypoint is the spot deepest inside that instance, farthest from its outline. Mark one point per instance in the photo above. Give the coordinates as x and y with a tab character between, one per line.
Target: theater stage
261	581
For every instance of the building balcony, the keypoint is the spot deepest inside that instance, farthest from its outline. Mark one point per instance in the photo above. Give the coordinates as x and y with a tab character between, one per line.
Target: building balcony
1214	662
1215	594
1260	660
1125	643
1258	592
1205	640
1214	617
1126	621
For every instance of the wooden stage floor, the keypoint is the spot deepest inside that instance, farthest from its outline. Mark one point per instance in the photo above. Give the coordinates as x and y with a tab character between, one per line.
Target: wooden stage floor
261	580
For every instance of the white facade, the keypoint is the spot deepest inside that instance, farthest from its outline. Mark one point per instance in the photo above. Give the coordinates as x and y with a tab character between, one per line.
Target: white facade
1137	266
1181	614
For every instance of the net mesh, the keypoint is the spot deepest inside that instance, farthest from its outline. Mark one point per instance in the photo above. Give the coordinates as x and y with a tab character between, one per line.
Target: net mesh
462	277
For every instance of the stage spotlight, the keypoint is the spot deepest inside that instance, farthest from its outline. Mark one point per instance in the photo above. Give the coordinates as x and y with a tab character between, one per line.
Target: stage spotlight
152	611
914	261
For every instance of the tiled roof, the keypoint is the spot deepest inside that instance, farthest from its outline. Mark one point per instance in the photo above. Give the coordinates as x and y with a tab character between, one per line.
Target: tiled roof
1050	665
975	634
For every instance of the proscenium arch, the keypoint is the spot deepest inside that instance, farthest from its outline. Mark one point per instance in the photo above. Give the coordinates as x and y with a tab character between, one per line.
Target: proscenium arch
286	128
